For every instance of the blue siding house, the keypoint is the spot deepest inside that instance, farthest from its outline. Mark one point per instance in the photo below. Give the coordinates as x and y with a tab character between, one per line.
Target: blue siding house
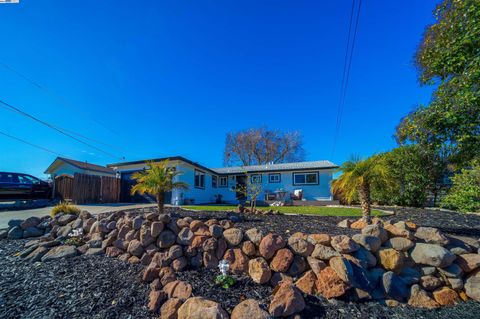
307	182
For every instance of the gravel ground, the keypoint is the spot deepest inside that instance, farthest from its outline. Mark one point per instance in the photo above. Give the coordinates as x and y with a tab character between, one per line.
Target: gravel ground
447	221
280	224
79	287
101	287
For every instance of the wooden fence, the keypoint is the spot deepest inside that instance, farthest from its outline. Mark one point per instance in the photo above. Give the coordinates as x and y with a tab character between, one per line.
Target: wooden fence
83	188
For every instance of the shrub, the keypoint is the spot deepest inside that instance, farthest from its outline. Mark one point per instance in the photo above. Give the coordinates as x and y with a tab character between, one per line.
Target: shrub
65	208
465	192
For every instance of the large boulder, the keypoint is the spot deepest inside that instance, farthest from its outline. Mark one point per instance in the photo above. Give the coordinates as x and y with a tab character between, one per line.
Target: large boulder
166	239
135	248
431	235
377	231
200	308
430	282
270	244
322	239
15	233
394	286
178	289
237	260
287	301
300	246
233	236
472	286
391	259
169	308
468	262
254	235
324	252
30	222
146	237
446	296
249	309
59	252
365	257
37	254
155	300
419	298
156	228
259	270
65	219
343	268
32	232
329	284
185	236
344	244
307	282
316	265
432	255
399	243
282	260
372	243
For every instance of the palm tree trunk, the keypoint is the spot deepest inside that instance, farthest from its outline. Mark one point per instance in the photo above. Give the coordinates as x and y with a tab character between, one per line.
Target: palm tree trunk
364	194
160	202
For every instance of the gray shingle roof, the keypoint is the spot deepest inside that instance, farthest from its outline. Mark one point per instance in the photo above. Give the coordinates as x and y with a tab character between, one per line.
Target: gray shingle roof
277	167
82	165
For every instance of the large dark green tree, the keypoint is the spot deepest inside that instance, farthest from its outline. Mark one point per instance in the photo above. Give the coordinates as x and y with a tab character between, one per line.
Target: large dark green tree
416	171
449	59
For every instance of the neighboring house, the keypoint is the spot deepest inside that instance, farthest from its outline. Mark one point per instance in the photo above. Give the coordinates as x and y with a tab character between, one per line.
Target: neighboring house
66	166
312	179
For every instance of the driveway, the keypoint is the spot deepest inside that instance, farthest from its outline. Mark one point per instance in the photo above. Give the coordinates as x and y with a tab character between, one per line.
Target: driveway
5	216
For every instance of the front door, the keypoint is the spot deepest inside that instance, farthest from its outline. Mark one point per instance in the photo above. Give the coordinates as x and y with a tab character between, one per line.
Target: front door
240	185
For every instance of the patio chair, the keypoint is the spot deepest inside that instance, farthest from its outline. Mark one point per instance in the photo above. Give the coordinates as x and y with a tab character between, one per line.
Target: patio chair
269	196
297	194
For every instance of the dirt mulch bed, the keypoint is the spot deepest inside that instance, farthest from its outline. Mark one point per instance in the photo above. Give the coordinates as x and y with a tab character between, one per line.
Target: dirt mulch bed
284	225
79	287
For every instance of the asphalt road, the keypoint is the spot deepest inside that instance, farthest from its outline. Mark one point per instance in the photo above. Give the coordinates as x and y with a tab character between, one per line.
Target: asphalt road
5	216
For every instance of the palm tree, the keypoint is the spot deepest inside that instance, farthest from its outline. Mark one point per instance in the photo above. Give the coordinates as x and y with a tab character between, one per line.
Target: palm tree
358	177
157	179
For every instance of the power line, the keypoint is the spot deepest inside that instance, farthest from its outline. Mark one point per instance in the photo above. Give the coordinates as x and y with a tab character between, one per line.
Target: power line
346	71
58	97
31	144
56	128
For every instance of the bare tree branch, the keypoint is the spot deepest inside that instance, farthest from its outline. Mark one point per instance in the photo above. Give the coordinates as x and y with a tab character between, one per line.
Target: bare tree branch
257	146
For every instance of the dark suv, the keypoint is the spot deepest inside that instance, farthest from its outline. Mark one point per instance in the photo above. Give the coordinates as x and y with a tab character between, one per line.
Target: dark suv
14	186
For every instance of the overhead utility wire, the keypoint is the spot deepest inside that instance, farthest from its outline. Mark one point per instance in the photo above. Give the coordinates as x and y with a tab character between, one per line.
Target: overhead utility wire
31	144
346	71
53	127
58	97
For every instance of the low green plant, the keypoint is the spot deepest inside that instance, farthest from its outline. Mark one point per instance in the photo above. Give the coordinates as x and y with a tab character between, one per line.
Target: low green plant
74	241
225	281
465	192
65	208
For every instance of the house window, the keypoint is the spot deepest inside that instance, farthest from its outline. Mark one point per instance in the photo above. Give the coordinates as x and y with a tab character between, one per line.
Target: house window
274	178
256	178
214	181
223	181
305	178
199	179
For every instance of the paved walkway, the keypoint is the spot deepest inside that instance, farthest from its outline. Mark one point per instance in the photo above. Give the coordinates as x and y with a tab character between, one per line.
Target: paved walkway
5	216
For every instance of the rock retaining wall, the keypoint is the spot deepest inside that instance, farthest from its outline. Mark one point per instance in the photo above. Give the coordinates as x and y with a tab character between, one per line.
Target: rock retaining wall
392	263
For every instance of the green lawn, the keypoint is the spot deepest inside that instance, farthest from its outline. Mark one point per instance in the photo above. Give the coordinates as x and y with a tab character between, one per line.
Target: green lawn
306	210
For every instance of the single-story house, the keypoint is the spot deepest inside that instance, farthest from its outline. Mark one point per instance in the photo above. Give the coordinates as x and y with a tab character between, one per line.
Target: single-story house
66	166
304	181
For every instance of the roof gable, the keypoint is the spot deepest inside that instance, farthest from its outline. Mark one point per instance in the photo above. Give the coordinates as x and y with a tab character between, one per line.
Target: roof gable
81	165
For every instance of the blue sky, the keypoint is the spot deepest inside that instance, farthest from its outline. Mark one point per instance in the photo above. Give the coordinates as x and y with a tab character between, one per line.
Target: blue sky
169	78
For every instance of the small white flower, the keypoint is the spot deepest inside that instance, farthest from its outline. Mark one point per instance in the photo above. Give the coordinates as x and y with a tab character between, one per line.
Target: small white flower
223	266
